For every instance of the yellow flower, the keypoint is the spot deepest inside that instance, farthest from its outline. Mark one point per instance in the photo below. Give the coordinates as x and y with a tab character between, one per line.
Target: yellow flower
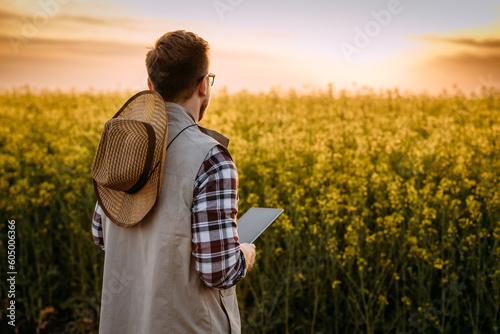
335	283
406	300
382	300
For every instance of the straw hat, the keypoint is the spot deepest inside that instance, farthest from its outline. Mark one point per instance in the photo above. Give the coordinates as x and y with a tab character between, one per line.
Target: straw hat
128	165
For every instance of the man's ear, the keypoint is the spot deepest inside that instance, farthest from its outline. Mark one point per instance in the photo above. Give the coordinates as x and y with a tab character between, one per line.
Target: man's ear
150	85
202	86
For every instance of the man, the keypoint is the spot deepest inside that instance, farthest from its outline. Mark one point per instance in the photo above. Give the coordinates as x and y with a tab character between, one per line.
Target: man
175	269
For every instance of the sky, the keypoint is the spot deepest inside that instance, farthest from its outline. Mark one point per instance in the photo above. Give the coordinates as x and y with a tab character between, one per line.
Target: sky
256	45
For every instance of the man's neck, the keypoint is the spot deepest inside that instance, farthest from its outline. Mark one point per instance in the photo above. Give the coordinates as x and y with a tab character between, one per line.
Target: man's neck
193	107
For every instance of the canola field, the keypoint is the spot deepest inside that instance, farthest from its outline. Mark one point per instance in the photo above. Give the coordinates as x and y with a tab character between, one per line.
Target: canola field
391	221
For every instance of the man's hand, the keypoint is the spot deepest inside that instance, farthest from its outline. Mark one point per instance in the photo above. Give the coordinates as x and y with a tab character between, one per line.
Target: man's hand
249	252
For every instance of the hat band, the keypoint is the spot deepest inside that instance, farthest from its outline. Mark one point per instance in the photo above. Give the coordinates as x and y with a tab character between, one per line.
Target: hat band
147	163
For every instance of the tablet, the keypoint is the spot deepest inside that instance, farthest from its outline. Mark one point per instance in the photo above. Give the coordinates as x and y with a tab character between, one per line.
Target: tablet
254	222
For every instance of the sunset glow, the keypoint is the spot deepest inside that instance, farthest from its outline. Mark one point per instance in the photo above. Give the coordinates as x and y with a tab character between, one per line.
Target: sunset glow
417	46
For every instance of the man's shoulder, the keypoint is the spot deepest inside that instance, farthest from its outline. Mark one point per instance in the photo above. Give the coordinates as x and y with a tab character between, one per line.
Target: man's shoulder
219	155
193	143
207	140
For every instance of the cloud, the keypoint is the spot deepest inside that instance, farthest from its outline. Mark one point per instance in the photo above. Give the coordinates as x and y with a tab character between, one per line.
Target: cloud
485	43
490	43
71	25
12	21
8	16
484	62
87	20
467	59
41	48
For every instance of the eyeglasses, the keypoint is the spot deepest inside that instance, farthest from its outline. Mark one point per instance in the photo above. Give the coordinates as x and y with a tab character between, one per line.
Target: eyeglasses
211	78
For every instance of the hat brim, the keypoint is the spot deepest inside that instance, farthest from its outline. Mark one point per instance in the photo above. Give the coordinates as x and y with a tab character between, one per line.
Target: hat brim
126	209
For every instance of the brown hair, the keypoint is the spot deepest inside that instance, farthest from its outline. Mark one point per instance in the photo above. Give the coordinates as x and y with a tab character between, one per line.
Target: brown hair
176	63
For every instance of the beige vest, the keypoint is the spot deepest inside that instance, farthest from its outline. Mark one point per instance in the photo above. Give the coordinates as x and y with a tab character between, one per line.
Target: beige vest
150	283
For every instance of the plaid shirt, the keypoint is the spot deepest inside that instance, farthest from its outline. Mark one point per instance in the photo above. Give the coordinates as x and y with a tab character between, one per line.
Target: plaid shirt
215	246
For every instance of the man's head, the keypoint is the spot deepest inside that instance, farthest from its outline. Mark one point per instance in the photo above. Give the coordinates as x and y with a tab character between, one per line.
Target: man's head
177	66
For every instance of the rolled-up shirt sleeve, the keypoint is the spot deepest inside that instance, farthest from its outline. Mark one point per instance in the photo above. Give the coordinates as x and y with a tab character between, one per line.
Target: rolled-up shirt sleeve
215	245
